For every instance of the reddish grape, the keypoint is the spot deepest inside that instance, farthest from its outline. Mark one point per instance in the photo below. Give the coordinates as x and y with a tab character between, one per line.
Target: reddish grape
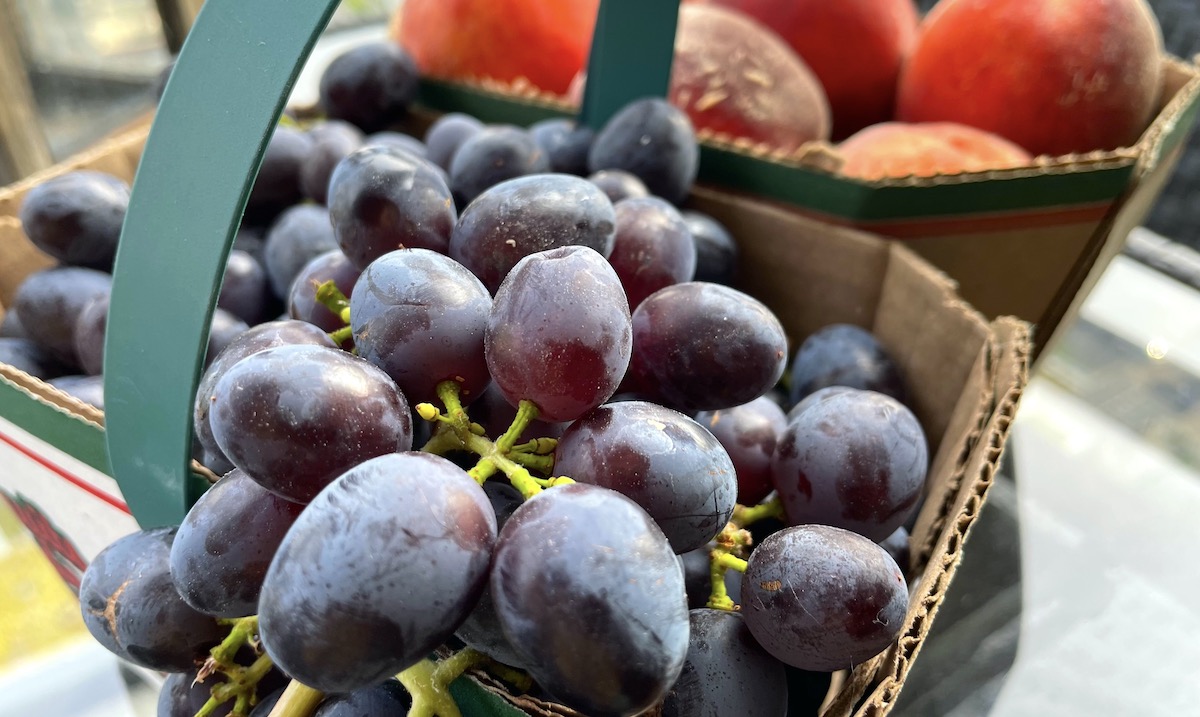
749	433
653	247
618	184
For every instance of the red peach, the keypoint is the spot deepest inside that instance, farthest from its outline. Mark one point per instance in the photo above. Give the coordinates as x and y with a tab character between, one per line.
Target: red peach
897	149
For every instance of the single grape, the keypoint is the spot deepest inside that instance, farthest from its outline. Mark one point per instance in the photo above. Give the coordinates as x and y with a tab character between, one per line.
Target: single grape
130	606
277	185
89	389
49	302
855	460
822	598
653	247
565	143
224	329
844	355
331	141
596	607
559	333
421	317
370	85
896	546
382	199
653	140
89	333
446	135
296	417
703	347
749	433
25	355
386	699
526	215
662	460
245	290
813	398
251	239
398	140
76	217
300	235
302	299
264	706
225	543
726	672
378	570
182	696
491	156
618	184
216	462
716	250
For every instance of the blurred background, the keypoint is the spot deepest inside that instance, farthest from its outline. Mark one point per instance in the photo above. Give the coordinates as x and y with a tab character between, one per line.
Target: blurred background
1071	600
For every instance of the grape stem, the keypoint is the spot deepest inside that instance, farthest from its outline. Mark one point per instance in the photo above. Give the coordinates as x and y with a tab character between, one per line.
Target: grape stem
748	515
722	561
429	684
342	335
243	630
329	296
241	682
298	700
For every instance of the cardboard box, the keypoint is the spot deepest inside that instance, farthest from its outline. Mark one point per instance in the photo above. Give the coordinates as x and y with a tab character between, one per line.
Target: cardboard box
965	376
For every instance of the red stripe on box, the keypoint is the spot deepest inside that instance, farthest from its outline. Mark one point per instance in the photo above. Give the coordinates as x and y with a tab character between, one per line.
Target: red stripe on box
67	476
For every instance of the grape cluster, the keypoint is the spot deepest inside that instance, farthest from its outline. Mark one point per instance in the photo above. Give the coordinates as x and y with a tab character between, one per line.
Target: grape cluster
514	403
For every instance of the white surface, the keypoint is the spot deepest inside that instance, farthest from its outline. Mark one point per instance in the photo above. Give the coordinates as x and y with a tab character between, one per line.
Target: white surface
78	680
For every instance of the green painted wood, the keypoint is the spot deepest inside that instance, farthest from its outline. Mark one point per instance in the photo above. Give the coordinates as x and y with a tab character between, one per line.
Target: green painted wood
223	100
632	48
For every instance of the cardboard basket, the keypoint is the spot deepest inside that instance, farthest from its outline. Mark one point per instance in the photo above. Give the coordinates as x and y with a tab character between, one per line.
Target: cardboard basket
965	373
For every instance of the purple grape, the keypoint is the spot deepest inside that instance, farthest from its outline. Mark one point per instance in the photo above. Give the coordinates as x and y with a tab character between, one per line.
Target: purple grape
11	328
822	598
223	330
331	141
446	135
653	140
617	184
383	199
703	347
896	546
493	155
182	696
386	699
421	317
398	140
565	143
559	333
659	458
378	570
523	216
653	247
49	302
245	291
26	356
296	417
814	398
370	86
749	433
716	250
90	328
844	355
596	607
855	460
76	217
300	235
302	299
277	185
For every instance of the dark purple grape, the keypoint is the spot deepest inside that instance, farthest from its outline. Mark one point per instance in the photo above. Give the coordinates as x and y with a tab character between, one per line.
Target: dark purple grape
378	570
617	184
559	333
302	299
89	389
716	251
523	216
223	330
565	143
493	411
296	417
491	156
76	217
653	140
855	460
595	606
11	328
25	355
89	335
659	458
814	398
726	672
383	199
277	185
387	699
300	235
844	355
49	302
370	86
245	289
749	433
896	546
398	140
130	606
225	543
822	598
421	317
259	338
703	347
251	240
216	462
446	135
264	706
653	247
182	696
331	141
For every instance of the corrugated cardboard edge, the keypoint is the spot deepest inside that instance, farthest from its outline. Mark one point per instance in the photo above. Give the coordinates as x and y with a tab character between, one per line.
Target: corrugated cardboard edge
45	393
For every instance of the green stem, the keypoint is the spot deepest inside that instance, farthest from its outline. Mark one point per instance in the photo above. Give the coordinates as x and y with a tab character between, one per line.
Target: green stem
538	446
297	700
483	470
542	464
744	516
527	411
342	335
430	696
443	440
329	296
722	561
244	629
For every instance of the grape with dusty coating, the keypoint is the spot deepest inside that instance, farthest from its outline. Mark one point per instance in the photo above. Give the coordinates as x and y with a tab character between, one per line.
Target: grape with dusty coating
559	333
302	299
331	141
130	606
370	86
277	185
822	598
653	247
491	156
298	236
25	355
716	250
814	398
225	543
749	433
398	140
653	140
844	355
662	460
222	331
387	699
382	199
245	290
446	135
702	347
182	696
49	302
378	570
296	417
565	143
856	460
617	184
726	672
596	607
76	217
421	317
523	216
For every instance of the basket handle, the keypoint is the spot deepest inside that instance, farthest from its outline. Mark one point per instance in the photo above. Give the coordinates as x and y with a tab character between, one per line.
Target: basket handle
218	112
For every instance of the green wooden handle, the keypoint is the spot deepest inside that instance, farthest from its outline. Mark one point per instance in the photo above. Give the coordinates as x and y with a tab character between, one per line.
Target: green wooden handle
632	48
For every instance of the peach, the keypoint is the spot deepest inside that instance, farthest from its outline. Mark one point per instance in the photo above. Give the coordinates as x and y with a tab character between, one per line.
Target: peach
1054	76
854	47
897	149
545	43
